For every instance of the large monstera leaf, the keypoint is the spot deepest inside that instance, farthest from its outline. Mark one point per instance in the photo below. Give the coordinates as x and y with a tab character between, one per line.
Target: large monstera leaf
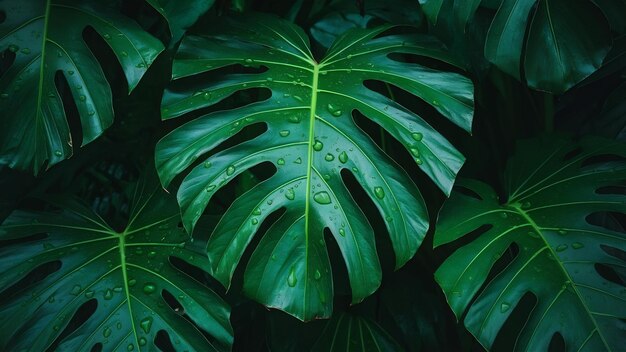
566	259
311	138
46	40
551	44
128	274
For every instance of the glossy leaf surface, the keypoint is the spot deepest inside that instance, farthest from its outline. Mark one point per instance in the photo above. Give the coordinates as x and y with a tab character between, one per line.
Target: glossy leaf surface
554	188
126	274
551	44
311	138
43	41
180	14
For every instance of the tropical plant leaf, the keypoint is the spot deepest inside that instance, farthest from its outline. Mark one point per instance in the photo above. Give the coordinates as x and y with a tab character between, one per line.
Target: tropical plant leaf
553	186
431	9
349	332
44	40
555	43
180	14
127	274
344	16
311	139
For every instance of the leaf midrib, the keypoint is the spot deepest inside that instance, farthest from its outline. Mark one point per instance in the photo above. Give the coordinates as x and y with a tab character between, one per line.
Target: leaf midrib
307	199
44	38
539	231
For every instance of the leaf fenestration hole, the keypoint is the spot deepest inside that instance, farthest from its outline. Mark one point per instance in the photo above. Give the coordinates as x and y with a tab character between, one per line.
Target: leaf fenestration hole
163	341
82	314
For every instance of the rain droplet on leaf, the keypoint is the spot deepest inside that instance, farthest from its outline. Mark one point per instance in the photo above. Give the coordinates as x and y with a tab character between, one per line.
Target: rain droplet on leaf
292	280
322	197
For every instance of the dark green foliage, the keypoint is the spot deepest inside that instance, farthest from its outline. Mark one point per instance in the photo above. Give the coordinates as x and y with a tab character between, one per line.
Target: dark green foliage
327	175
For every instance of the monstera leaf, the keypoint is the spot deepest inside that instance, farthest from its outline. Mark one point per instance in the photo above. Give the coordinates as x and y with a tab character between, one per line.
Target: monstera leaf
555	43
565	259
126	276
180	14
43	40
348	332
311	139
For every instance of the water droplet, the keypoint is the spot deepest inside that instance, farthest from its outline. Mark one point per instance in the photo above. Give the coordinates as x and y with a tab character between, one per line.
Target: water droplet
562	232
91	113
89	294
298	98
418	161
342	232
298	161
504	215
323	73
417	136
389	219
117	289
269	79
75	290
254	221
280	161
435	103
317	145
294	119
210	188
132	282
284	133
379	192
207	164
256	211
290	194
504	307
106	36
317	275
124	53
25	51
108	294
561	247
140	65
130	347
51	95
292	280
13	48
248	61
322	197
415	152
70	72
142	341
230	170
533	234
329	157
273	257
149	288
577	245
107	332
146	324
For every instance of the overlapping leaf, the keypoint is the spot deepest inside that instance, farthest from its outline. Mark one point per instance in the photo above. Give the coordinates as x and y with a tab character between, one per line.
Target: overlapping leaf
554	188
552	44
311	138
348	332
44	39
81	260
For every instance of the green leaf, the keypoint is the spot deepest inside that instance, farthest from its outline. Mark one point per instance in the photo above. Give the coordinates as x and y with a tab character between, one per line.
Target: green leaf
311	138
46	39
125	273
565	41
349	332
553	186
431	9
181	14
